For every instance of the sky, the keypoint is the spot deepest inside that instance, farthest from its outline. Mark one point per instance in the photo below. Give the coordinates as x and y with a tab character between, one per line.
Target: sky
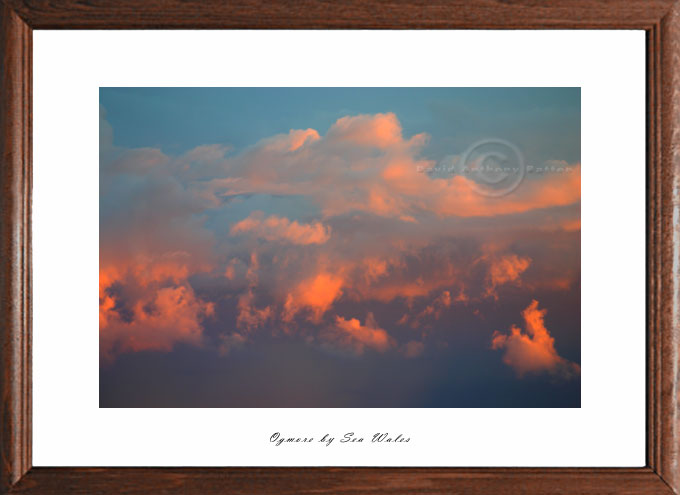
339	247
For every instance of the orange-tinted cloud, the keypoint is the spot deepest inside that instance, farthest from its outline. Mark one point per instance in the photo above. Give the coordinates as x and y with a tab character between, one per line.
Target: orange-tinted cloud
352	335
458	195
377	231
299	137
462	297
275	228
295	140
107	278
432	311
230	271
571	225
343	173
161	307
533	351
504	269
374	268
157	320
106	309
249	315
385	279
380	130
443	301
314	295
413	349
175	266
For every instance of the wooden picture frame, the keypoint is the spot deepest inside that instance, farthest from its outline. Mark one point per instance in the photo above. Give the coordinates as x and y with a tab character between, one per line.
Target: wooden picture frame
661	21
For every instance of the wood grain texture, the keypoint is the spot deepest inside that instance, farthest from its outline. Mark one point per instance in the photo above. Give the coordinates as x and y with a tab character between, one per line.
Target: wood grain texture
15	259
319	481
345	14
661	20
669	366
654	244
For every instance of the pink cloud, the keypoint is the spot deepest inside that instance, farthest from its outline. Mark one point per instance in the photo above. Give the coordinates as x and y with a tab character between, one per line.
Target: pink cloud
342	174
388	278
158	319
571	225
533	351
352	335
381	130
249	315
379	236
458	195
314	295
432	311
504	269
275	228
298	138
161	307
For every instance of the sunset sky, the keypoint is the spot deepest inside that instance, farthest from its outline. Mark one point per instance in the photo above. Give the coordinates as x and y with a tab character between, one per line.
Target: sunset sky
339	247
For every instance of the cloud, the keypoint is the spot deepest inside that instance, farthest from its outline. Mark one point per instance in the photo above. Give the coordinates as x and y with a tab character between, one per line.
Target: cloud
314	295
411	275
249	316
299	138
151	241
302	226
413	349
435	309
275	228
365	164
458	196
571	225
533	351
504	269
381	130
352	335
432	311
229	342
156	318
147	303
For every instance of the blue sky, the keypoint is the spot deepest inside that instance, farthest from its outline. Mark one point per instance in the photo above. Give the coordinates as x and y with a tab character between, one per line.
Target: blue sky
545	121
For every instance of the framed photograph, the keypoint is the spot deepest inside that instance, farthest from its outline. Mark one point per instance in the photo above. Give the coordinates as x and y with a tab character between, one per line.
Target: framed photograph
339	248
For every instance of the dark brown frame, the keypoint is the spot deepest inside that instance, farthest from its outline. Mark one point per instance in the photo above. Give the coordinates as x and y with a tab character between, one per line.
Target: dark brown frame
661	21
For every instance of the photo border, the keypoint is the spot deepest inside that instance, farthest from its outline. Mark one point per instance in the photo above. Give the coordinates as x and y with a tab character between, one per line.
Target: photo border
660	19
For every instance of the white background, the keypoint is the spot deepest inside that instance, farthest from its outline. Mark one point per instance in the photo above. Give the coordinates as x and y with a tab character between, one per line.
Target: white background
69	68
